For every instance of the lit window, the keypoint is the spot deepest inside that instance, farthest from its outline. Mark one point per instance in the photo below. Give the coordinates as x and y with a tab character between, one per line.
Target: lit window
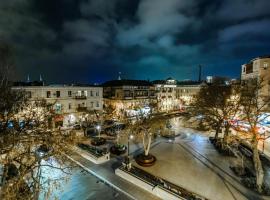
57	94
58	107
48	94
265	65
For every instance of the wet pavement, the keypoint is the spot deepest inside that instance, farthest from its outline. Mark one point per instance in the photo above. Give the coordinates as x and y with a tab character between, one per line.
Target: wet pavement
83	185
189	161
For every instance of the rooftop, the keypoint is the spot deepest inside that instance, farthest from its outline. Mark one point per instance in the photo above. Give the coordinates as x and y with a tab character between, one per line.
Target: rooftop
41	84
127	82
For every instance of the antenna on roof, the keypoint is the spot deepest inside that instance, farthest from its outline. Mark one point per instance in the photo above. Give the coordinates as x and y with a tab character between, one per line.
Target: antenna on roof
200	73
28	78
119	76
40	78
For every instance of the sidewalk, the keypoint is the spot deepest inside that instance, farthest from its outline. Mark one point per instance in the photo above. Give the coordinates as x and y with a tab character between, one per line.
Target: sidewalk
106	173
200	147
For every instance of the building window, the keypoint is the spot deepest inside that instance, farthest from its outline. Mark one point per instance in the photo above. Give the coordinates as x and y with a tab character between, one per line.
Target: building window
97	105
97	93
69	106
91	93
244	69
29	94
58	107
57	94
92	104
48	94
69	93
265	65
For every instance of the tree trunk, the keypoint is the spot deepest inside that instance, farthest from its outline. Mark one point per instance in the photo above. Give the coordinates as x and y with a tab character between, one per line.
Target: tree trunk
148	145
226	134
257	165
217	131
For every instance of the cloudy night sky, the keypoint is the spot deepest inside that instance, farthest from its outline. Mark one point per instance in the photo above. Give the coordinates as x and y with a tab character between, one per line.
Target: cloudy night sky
92	40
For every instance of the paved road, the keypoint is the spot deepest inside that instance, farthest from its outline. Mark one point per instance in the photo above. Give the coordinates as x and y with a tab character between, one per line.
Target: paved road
105	172
195	148
81	185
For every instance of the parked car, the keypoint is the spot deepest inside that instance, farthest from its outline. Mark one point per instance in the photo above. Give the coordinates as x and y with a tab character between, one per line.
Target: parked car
76	126
112	130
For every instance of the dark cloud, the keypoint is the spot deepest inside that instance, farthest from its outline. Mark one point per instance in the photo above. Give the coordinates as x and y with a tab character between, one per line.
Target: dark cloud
91	40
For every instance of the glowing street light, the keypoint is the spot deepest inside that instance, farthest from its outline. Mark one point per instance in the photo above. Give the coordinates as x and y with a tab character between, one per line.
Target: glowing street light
130	137
98	127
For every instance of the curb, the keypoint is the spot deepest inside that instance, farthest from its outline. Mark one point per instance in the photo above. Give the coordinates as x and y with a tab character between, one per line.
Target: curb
100	177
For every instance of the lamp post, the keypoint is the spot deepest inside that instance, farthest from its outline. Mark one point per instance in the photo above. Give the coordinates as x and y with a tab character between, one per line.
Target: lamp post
130	137
98	129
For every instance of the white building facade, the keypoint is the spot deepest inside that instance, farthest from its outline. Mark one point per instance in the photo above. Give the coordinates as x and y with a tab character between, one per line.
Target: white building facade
186	93
70	103
258	68
166	95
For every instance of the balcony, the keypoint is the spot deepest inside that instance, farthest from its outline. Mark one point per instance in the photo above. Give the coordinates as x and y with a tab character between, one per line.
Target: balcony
128	97
82	97
81	109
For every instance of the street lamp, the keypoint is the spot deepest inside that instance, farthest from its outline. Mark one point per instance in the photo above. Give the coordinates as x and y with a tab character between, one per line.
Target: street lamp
98	127
130	137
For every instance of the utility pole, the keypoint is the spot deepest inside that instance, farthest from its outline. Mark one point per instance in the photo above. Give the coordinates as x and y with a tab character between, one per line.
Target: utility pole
200	73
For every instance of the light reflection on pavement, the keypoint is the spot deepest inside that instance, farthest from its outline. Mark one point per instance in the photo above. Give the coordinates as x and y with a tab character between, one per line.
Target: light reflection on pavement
83	186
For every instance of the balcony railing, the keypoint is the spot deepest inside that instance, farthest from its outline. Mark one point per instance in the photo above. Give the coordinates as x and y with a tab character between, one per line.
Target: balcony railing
80	97
81	109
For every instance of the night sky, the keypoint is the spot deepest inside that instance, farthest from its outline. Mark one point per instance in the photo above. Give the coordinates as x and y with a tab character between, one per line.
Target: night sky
90	41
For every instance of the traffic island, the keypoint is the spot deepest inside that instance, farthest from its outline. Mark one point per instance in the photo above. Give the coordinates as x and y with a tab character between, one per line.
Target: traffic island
98	141
95	155
155	185
118	149
145	160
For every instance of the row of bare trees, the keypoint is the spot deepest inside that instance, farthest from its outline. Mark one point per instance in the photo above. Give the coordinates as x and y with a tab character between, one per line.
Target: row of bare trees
27	144
220	104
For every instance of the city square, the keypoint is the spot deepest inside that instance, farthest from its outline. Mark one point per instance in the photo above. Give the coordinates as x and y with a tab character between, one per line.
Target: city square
141	100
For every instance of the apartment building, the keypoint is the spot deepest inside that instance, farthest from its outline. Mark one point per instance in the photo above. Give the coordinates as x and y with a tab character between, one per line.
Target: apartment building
71	103
186	92
166	95
129	97
258	68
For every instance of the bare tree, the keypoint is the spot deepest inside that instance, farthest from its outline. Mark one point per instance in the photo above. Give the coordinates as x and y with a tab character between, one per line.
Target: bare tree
253	104
217	104
27	142
146	128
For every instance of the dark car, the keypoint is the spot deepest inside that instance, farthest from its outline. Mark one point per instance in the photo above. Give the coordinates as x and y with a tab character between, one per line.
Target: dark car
77	126
112	130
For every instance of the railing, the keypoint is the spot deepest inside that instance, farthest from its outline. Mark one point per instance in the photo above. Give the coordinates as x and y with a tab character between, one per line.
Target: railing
161	183
80	97
81	109
92	150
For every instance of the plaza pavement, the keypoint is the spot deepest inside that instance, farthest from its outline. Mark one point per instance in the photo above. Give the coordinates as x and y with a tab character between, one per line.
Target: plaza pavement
105	172
189	161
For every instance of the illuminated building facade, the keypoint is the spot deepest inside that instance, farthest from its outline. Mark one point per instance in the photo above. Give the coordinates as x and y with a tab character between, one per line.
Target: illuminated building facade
186	92
127	97
258	68
71	103
166	95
